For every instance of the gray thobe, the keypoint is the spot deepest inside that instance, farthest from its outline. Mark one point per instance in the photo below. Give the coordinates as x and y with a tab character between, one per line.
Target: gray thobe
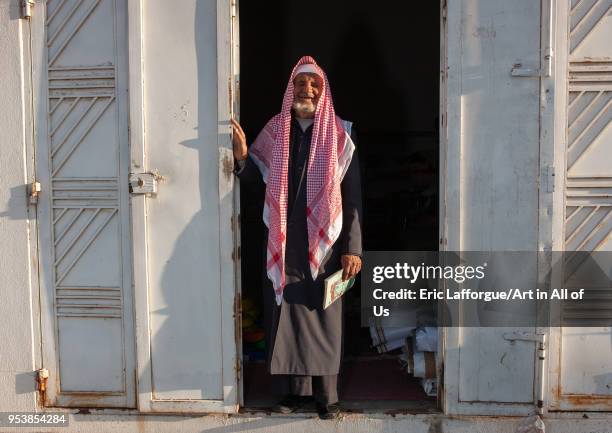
303	339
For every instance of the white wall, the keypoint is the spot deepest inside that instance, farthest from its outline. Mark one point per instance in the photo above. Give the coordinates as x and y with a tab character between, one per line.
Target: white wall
17	384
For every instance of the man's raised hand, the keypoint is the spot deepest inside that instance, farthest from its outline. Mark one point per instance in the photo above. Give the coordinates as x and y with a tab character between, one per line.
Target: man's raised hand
239	141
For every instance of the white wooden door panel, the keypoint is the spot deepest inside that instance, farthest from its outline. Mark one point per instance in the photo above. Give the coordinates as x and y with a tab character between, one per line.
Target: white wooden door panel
185	273
495	370
490	135
80	79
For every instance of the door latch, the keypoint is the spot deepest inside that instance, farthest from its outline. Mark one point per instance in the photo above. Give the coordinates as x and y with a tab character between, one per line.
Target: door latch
547	20
546	71
143	183
524	336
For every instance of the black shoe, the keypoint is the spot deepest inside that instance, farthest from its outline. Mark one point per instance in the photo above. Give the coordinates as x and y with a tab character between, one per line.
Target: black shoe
291	403
328	411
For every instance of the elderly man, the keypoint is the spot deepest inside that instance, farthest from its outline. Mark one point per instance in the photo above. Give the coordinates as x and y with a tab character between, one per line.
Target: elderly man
312	210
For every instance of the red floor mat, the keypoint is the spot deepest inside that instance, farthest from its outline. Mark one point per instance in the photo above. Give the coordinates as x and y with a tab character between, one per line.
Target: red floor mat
378	379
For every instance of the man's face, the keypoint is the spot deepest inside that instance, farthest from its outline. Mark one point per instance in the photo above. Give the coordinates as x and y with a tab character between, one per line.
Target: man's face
307	89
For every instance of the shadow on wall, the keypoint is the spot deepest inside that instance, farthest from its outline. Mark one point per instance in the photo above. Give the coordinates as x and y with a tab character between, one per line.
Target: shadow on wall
17	204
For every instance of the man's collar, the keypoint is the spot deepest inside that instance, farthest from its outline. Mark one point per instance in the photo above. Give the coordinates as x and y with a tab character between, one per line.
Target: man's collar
296	124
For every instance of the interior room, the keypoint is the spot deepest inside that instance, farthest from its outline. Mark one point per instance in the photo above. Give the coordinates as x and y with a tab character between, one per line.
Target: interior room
383	68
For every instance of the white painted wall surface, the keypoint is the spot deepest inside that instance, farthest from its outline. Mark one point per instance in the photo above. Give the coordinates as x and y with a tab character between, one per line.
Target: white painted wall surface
17	333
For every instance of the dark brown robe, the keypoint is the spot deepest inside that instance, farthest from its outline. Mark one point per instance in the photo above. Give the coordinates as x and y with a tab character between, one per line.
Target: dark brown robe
301	337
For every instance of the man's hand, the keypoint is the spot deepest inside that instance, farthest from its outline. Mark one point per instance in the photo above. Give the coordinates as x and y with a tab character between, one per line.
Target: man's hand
239	141
351	265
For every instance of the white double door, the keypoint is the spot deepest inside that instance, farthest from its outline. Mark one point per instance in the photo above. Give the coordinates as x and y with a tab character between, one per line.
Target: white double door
138	291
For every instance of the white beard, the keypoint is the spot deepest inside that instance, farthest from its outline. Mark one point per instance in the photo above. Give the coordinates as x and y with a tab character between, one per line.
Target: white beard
304	107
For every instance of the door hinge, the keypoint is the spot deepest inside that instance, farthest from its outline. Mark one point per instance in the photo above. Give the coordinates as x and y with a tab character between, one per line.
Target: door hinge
233	8
238	368
236	253
235	222
26	9
230	94
34	190
237	305
238	329
42	376
549	176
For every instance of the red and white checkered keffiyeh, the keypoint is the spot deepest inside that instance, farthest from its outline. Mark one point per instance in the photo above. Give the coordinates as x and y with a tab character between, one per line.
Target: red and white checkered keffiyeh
331	150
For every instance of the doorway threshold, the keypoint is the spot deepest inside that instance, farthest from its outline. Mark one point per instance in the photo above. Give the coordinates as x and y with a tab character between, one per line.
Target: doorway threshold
386	407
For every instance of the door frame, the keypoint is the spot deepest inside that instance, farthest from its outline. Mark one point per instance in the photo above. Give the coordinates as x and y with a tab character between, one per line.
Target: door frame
558	213
236	226
230	331
448	169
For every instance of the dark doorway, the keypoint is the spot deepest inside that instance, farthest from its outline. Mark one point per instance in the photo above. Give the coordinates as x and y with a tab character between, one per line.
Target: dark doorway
382	61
